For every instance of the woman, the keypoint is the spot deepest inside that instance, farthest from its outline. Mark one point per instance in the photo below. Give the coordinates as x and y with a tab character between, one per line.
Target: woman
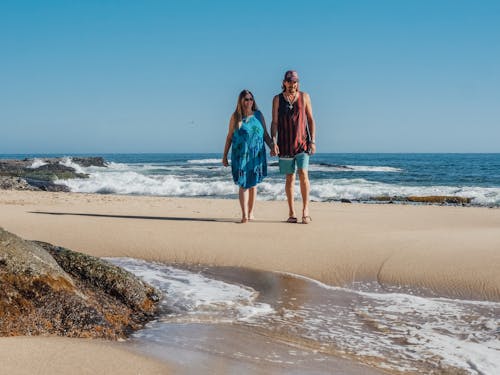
247	132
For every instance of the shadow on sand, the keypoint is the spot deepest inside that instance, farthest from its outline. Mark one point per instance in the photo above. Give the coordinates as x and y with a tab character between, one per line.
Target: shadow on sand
168	218
172	218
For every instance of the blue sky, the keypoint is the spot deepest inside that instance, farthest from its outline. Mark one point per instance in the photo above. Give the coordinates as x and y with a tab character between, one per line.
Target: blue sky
163	76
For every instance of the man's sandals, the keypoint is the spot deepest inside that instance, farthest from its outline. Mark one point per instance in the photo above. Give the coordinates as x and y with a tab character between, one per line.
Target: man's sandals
305	219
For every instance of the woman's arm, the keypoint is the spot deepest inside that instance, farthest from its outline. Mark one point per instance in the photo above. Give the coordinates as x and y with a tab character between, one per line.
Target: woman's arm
267	137
229	140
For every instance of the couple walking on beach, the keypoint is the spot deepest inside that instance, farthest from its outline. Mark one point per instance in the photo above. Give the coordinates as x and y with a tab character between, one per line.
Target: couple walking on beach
292	139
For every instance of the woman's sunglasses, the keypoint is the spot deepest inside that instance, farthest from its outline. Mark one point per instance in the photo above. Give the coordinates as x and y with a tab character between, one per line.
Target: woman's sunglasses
248	99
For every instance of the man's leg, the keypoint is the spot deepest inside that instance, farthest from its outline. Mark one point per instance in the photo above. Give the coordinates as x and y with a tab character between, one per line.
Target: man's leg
305	187
287	167
289	186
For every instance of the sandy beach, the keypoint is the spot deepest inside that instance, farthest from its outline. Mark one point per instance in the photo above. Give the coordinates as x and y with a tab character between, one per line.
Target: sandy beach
57	355
451	251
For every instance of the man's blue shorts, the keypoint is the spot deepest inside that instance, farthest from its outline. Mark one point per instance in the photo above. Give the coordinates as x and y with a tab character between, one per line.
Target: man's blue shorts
290	165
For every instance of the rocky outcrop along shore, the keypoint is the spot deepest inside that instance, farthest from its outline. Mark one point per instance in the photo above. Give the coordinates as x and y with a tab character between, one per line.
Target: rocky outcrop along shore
433	199
47	289
40	173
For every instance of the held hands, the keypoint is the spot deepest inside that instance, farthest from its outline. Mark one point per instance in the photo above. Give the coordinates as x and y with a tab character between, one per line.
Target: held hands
312	148
275	151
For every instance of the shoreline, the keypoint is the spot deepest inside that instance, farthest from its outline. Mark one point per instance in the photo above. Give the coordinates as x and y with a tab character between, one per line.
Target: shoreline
449	250
359	179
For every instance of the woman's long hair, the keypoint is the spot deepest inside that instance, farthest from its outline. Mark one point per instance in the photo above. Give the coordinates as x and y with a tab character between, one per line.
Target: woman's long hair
238	112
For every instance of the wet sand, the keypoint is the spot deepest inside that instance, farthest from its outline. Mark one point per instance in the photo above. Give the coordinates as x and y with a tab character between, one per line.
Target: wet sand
450	251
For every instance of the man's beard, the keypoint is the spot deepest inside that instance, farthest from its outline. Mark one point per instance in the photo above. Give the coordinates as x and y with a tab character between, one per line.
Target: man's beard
291	90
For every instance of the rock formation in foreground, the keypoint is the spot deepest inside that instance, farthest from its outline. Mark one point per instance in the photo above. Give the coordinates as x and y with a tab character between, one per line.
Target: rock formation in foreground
45	289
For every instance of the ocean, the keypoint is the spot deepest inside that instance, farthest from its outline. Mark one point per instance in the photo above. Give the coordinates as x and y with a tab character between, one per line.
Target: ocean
334	177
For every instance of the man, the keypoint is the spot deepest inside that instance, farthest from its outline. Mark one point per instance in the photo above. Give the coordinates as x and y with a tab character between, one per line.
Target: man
294	126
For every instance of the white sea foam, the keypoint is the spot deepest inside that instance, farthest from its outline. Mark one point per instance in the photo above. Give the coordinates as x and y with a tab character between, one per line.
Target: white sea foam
450	329
68	162
361	189
37	163
437	331
195	297
395	331
204	161
313	167
139	184
202	179
119	181
124	167
159	169
367	168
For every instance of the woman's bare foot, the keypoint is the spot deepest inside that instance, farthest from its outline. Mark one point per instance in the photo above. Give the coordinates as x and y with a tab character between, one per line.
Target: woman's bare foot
244	220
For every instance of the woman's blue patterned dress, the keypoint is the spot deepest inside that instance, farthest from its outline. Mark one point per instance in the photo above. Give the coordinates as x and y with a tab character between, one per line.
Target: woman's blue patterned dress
248	155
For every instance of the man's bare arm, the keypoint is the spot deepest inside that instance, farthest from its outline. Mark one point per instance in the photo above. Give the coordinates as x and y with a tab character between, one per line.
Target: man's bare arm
310	121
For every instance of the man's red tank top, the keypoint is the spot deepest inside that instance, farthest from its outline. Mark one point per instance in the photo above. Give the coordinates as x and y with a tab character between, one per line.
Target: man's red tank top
292	128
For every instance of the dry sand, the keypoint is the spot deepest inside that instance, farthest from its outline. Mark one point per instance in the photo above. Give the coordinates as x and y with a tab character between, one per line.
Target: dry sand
57	355
454	251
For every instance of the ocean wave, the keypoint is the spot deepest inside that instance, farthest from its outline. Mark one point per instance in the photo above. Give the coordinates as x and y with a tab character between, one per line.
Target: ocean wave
364	190
204	161
68	162
197	165
216	181
271	189
367	168
408	330
133	183
328	167
123	167
37	163
198	297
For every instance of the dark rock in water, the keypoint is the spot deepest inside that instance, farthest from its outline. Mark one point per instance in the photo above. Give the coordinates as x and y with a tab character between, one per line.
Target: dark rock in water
91	161
440	199
50	169
386	198
433	199
344	200
90	298
53	167
345	167
13	168
15	183
46	185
